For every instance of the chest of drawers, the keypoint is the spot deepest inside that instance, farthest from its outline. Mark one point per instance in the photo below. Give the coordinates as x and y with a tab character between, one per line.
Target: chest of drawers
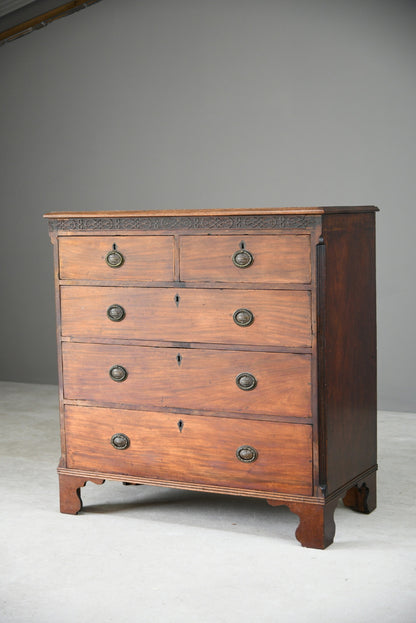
222	351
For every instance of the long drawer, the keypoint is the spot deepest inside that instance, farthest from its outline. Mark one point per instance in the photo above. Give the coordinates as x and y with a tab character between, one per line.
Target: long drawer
123	258
198	379
266	456
256	317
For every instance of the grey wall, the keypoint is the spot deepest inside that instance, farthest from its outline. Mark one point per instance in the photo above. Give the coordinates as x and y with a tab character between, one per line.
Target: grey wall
209	103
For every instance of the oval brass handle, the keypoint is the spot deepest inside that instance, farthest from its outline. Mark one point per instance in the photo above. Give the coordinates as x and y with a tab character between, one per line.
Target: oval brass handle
116	313
120	441
243	317
242	258
118	373
246	454
114	258
246	381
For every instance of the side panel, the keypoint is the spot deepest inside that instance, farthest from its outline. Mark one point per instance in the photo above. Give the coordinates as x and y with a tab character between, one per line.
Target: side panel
347	342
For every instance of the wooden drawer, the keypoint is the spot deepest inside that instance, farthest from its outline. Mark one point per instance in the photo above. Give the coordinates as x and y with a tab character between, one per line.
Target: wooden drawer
143	258
203	451
280	317
198	379
284	258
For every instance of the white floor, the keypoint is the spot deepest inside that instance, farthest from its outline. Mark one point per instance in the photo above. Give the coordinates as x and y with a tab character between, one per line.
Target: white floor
144	554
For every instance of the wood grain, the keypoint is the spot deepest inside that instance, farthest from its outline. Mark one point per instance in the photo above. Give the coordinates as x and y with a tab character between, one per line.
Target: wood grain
281	318
204	379
313	210
347	347
282	258
204	452
69	492
311	348
145	257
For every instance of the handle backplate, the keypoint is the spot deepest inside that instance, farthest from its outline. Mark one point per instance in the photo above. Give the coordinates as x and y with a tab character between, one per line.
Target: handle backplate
114	258
120	441
118	373
246	381
242	258
116	313
243	317
246	454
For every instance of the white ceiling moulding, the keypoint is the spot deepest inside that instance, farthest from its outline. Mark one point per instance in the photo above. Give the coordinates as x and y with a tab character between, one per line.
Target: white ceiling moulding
18	18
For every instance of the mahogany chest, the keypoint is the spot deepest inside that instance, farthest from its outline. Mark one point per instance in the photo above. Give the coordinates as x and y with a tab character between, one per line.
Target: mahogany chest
224	351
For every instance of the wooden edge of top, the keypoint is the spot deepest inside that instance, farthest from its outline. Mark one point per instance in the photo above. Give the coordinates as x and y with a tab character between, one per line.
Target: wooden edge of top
215	212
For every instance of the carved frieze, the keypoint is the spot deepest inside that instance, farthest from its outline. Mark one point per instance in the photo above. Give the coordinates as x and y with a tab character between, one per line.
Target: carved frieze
157	223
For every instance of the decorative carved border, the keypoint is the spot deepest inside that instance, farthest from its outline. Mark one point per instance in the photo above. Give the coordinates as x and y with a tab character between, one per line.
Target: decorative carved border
156	223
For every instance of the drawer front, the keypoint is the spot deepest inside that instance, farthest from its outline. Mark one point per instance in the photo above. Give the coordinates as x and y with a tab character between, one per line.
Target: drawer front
196	379
140	258
282	258
201	450
279	318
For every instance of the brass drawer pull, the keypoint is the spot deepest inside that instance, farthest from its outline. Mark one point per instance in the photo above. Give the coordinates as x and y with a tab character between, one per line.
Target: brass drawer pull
246	454
118	373
242	258
116	313
246	381
119	441
243	317
114	258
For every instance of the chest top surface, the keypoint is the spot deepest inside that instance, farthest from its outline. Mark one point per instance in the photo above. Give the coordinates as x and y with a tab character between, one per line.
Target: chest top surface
253	218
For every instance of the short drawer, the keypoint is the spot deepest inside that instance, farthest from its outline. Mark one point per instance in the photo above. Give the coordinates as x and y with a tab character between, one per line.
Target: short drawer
255	317
198	379
123	258
284	258
188	448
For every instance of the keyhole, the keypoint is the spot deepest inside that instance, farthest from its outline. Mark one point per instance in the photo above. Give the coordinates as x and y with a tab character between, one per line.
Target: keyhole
179	359
177	299
114	246
180	425
242	245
